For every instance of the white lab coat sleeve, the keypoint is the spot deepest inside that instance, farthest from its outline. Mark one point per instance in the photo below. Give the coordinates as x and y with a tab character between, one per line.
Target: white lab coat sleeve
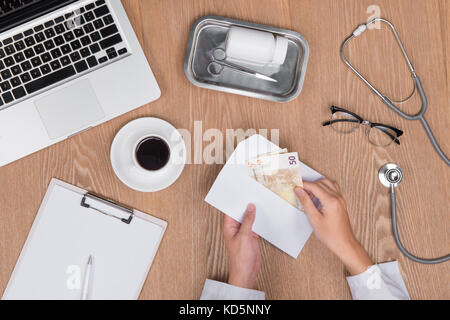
379	282
215	290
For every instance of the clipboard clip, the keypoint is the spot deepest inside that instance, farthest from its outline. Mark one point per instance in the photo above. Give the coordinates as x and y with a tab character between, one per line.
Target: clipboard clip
109	203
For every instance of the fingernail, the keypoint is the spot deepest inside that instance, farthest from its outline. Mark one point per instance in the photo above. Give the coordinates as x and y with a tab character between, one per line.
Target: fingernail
251	208
299	191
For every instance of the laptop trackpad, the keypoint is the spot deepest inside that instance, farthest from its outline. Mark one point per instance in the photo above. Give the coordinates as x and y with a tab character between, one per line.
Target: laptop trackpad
70	109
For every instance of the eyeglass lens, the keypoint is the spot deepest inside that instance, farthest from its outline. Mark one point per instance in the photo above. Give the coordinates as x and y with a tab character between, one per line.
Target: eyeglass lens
344	122
381	136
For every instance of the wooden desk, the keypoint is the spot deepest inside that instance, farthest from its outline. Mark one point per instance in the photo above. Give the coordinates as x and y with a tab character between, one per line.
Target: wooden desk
193	248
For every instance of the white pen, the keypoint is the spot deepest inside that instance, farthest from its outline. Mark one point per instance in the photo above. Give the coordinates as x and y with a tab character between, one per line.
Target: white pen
87	277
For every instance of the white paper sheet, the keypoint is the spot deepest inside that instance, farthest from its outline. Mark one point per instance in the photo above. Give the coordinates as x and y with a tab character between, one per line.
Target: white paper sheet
276	220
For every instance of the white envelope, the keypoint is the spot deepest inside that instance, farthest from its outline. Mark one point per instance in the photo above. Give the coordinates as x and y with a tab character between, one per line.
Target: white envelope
277	221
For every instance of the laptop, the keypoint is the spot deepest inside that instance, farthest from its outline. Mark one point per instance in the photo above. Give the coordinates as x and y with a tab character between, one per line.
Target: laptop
66	66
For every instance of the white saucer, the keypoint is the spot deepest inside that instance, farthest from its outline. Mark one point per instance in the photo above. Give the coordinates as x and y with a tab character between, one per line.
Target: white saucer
122	155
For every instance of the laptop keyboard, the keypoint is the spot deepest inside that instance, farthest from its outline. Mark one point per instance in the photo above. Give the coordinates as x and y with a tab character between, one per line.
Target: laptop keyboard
8	6
65	47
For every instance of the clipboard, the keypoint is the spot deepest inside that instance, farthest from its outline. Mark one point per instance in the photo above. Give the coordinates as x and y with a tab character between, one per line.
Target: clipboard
73	224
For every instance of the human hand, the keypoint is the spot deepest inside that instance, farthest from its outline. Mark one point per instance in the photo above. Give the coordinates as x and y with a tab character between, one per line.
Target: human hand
331	224
243	249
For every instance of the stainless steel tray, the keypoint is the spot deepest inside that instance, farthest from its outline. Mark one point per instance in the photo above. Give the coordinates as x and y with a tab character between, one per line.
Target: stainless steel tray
210	32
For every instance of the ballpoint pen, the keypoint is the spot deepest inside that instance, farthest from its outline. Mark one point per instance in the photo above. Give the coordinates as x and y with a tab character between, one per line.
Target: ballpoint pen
87	277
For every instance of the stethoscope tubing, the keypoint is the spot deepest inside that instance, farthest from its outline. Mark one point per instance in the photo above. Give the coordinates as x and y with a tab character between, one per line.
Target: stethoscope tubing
399	242
418	84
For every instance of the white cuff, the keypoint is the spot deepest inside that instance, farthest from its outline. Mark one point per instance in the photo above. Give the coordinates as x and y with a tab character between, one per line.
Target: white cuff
379	282
215	290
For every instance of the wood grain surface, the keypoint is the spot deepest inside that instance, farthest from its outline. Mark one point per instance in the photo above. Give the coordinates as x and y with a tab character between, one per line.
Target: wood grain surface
193	248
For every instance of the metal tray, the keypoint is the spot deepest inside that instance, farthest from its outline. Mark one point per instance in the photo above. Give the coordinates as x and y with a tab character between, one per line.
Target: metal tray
210	32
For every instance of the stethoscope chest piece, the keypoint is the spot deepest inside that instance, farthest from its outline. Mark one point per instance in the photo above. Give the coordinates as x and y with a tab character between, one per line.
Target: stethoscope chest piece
390	175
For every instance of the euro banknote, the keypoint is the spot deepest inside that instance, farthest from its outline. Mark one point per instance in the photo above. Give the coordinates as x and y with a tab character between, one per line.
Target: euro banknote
279	172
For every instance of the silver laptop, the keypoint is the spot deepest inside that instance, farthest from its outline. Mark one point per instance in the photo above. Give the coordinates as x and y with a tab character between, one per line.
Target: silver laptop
66	66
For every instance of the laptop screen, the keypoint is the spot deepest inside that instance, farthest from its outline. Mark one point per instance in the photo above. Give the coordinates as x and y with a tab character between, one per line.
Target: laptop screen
16	12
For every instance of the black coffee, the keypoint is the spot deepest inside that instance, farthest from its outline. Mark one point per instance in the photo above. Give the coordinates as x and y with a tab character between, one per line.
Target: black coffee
152	153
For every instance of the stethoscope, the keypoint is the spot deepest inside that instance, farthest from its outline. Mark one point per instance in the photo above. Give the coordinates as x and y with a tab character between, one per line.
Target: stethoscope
391	175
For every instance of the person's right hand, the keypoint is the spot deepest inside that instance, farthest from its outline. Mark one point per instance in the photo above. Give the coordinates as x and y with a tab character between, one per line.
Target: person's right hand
332	225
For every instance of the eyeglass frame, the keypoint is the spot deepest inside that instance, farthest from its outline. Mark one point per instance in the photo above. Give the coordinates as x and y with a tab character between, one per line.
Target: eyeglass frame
360	120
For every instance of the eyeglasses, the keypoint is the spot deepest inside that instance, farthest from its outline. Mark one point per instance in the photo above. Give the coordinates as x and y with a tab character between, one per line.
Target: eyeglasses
344	121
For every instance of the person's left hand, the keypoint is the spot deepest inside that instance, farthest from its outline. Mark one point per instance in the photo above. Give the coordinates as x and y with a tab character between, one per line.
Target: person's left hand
243	249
